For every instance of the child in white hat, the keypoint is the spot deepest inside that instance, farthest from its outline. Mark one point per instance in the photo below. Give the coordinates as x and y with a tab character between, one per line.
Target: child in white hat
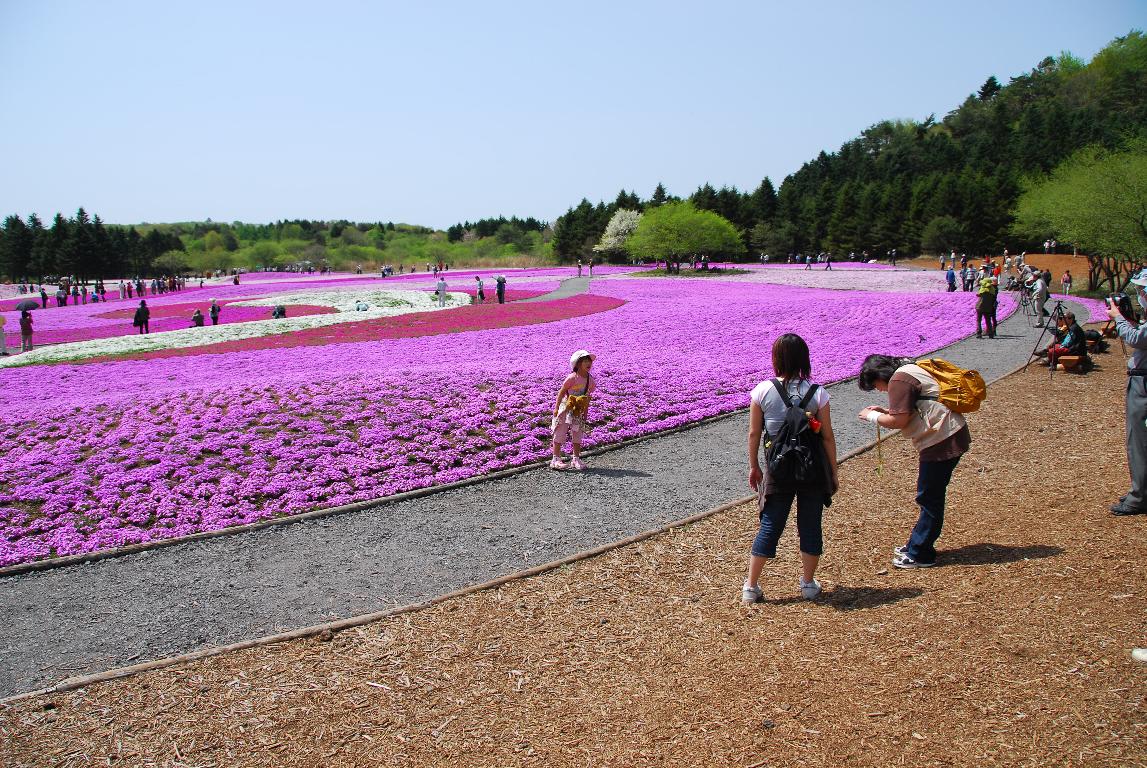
571	409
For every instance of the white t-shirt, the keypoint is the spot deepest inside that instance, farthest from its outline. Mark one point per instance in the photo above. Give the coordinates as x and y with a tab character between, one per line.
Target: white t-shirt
773	407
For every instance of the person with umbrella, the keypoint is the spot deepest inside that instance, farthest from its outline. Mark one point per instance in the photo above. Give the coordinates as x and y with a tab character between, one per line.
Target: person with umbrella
142	315
25	330
501	289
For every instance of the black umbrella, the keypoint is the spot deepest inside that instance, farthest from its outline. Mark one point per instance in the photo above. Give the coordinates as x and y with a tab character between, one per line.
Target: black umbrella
27	304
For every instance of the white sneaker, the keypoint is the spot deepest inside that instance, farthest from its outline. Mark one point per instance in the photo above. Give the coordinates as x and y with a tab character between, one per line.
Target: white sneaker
556	463
809	590
1139	654
577	464
750	595
901	550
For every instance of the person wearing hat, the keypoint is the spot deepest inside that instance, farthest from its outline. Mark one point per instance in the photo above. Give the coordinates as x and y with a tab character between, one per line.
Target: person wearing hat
986	308
571	409
1134	335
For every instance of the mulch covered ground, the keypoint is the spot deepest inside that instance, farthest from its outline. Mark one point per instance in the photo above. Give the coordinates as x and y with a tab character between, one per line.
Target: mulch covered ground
1014	652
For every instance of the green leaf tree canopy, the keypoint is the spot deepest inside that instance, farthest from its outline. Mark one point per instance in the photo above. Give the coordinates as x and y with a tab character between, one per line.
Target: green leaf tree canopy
675	231
1097	200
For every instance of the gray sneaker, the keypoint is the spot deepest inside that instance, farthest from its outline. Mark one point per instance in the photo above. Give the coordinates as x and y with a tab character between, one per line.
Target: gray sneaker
750	595
904	562
810	589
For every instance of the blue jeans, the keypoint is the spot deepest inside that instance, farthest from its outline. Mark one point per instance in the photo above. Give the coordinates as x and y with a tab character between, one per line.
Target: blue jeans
775	513
931	491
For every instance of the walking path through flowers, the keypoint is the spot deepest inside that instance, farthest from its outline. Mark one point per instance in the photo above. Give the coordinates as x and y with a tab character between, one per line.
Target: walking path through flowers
80	619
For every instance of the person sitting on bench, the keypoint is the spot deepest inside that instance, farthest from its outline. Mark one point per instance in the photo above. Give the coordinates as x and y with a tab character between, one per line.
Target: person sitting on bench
1069	340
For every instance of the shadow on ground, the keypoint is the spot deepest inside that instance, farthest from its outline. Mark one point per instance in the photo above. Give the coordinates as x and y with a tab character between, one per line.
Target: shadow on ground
609	472
844	598
992	554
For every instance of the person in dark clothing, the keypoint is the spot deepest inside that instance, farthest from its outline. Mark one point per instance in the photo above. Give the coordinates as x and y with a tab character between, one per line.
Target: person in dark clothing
43	298
501	289
214	312
1069	340
197	319
25	331
986	308
142	315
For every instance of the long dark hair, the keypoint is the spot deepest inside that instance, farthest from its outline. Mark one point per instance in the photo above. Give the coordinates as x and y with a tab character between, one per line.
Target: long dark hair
878	368
791	359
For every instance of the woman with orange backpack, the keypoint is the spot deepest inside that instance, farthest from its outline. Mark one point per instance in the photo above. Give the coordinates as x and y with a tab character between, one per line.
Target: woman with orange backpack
923	403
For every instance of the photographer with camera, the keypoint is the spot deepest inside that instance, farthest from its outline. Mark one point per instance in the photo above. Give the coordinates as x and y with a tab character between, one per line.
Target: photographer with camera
1134	334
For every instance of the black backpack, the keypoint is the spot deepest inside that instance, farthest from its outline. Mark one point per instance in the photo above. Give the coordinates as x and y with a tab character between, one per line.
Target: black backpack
795	455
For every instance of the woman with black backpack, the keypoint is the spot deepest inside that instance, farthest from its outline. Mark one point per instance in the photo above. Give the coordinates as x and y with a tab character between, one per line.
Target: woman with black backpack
793	415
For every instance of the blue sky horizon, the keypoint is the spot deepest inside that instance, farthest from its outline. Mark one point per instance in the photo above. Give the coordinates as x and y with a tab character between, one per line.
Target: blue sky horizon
451	111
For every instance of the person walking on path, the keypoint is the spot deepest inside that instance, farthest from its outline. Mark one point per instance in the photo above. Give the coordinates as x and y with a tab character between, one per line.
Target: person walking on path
571	410
986	308
481	292
951	280
579	267
940	436
1065	281
440	291
500	289
142	315
591	266
1134	335
25	331
808	262
769	404
213	311
43	298
828	263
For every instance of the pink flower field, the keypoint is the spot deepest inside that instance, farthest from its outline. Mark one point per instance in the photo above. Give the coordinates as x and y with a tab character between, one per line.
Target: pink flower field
104	454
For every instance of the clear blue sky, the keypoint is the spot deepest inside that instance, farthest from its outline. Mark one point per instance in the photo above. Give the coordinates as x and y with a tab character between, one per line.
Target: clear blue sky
436	112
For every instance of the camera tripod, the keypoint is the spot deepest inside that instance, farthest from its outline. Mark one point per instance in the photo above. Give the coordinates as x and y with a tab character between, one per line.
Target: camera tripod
1052	321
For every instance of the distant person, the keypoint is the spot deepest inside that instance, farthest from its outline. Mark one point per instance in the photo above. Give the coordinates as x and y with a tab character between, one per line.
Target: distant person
25	332
770	407
197	319
500	289
1065	281
141	318
591	266
43	298
828	262
213	311
938	434
1039	297
808	262
986	308
571	410
951	280
482	293
579	267
440	291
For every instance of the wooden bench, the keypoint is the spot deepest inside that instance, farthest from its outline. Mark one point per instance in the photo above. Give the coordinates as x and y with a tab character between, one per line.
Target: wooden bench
1069	363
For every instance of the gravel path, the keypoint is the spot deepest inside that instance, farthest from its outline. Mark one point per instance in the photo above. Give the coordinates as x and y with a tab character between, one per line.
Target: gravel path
86	618
571	286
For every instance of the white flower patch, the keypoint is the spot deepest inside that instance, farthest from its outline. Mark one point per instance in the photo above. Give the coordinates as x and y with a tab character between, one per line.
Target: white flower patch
382	304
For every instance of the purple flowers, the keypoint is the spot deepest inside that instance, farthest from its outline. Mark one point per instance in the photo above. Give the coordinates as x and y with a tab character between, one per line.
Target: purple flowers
106	454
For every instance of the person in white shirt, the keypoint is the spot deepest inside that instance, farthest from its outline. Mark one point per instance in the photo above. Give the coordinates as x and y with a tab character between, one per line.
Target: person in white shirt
767	414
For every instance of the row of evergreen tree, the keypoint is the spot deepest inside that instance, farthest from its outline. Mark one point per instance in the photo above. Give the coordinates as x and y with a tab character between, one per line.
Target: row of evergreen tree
81	246
918	186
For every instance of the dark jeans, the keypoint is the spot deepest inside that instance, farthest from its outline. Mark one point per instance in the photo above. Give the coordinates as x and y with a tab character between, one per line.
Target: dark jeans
987	317
931	491
775	513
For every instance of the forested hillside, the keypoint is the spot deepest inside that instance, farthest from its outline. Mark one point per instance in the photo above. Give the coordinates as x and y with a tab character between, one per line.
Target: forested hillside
927	185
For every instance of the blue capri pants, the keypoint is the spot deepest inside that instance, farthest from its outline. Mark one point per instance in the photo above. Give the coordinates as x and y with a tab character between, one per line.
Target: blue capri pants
775	513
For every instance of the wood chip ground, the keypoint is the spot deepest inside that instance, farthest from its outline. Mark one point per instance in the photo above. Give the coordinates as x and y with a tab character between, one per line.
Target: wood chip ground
1014	652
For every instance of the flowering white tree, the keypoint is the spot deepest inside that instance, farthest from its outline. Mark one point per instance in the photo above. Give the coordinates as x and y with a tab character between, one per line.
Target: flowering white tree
619	228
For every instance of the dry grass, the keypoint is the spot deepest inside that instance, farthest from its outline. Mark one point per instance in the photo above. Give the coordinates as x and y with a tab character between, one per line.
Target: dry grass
1015	652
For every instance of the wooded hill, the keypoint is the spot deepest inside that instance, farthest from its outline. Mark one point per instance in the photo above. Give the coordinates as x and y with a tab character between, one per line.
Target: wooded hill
927	185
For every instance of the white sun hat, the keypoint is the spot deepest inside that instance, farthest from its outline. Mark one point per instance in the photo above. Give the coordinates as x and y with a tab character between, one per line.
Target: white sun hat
576	356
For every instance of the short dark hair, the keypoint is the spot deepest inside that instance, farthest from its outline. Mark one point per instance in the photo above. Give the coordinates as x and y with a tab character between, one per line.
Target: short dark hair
878	368
790	358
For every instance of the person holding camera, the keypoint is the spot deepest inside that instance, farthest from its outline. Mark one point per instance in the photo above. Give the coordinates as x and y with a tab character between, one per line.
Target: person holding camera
1134	334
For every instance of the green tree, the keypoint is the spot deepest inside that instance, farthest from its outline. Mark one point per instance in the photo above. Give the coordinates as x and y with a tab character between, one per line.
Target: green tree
1097	200
942	234
675	231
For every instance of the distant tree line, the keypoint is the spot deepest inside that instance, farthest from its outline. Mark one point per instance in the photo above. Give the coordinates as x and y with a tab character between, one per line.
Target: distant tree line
81	246
923	186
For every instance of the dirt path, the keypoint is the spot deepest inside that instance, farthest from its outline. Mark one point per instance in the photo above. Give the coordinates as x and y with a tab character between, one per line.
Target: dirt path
87	618
1013	652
